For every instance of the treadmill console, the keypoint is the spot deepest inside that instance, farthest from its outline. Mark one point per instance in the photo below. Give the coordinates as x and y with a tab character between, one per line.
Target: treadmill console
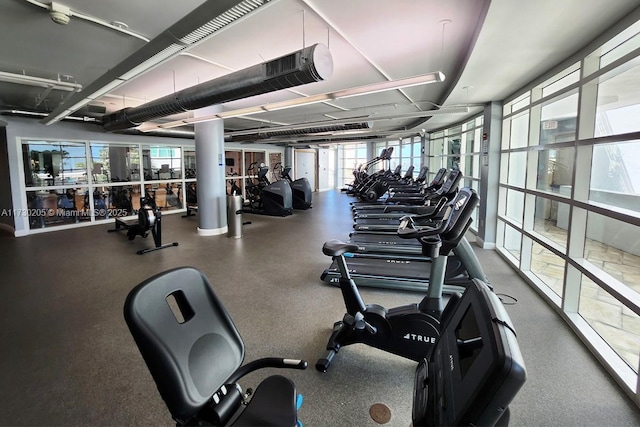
462	207
452	181
437	180
451	225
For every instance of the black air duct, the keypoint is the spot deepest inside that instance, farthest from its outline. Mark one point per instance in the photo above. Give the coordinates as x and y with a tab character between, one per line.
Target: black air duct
308	65
266	133
319	129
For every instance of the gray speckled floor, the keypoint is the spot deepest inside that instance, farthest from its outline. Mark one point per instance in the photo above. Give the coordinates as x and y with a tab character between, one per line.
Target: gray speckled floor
68	359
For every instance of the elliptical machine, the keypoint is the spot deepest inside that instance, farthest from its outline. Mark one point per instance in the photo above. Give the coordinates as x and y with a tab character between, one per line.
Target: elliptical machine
408	331
361	173
300	190
266	198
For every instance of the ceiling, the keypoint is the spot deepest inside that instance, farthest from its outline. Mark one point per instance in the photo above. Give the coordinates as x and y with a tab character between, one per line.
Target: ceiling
487	49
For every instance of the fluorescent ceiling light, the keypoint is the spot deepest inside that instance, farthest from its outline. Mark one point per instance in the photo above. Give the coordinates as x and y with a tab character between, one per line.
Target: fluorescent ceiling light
104	89
436	77
307	100
422	79
227	114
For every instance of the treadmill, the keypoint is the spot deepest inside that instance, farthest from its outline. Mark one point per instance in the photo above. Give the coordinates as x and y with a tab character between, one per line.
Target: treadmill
390	221
406	274
433	186
384	243
412	184
398	211
361	174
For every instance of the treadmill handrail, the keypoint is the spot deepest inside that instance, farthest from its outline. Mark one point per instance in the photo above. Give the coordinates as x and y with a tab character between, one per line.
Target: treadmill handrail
409	230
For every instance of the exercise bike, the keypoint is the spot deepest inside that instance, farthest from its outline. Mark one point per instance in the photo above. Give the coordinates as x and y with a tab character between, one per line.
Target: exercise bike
408	331
475	369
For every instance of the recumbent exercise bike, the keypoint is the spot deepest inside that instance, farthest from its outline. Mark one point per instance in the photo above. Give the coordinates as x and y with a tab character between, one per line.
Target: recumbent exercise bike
195	354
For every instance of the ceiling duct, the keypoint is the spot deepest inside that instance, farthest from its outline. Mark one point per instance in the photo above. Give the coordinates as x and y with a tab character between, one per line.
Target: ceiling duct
338	140
278	133
308	65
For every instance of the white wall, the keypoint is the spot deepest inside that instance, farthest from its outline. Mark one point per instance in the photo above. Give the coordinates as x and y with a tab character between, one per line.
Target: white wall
324	160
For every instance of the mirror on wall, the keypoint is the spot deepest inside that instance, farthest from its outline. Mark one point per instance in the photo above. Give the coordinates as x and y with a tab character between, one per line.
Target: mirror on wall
161	162
114	163
49	163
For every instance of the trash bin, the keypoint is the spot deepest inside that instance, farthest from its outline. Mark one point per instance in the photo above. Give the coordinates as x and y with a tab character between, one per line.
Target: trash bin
234	216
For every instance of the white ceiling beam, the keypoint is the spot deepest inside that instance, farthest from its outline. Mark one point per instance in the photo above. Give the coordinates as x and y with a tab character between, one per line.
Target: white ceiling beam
346	38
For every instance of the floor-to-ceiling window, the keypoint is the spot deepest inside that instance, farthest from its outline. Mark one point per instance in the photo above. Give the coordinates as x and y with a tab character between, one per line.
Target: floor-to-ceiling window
57	181
242	167
458	147
331	166
407	152
162	172
569	197
352	157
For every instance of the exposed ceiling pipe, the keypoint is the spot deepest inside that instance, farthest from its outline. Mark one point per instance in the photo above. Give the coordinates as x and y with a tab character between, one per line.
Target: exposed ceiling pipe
39	81
217	64
311	64
163	133
339	140
38	114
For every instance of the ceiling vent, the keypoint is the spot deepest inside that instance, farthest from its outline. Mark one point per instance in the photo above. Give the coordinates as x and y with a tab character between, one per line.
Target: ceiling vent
266	133
311	64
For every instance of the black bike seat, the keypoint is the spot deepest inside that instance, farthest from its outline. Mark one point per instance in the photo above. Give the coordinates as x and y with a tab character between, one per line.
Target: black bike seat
335	247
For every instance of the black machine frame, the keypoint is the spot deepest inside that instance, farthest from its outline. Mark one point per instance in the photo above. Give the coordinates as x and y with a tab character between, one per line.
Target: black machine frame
149	220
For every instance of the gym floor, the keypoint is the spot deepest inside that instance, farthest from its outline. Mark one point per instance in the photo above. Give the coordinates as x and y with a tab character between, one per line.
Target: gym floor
68	357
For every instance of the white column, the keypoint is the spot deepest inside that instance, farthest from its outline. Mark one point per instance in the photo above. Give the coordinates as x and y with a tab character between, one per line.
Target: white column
212	198
489	176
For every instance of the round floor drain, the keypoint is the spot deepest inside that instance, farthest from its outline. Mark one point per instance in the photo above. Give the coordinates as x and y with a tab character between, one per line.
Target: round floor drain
380	413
